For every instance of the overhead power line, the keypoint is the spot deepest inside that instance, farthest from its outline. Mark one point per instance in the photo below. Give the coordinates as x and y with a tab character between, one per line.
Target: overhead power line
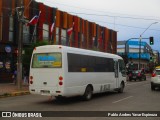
123	25
115	16
100	15
118	16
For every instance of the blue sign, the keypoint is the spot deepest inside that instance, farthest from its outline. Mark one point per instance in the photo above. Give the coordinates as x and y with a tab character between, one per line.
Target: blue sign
136	55
46	58
136	43
8	48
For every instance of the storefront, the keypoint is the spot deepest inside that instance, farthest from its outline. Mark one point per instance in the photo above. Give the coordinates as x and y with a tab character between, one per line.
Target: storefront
7	62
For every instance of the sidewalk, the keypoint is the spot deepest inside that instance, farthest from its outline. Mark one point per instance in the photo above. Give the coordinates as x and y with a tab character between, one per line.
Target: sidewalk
10	89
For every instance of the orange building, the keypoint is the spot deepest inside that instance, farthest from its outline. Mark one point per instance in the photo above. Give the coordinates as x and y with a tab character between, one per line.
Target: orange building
85	34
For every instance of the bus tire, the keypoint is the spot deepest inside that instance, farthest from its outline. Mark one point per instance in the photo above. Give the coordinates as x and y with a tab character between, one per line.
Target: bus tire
60	98
121	89
152	87
88	93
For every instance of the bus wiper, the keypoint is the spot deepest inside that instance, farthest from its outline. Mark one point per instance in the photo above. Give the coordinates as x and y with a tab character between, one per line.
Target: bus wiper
45	66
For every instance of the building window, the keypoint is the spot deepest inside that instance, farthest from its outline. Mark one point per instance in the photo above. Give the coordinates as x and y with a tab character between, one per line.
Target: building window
45	32
57	35
1	20
63	37
82	40
26	34
71	39
11	28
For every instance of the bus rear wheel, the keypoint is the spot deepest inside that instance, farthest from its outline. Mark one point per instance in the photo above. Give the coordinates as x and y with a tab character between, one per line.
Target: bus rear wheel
121	89
88	93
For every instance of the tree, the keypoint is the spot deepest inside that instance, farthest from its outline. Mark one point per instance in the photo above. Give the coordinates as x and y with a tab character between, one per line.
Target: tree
28	53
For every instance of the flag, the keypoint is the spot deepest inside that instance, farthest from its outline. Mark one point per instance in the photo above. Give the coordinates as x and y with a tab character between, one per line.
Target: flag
52	26
100	39
69	31
34	20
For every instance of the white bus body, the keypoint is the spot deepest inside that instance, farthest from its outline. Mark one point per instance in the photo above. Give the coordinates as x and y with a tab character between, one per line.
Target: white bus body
63	71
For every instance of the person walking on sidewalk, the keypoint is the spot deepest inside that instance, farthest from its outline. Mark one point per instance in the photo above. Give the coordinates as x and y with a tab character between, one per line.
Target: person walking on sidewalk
15	77
25	81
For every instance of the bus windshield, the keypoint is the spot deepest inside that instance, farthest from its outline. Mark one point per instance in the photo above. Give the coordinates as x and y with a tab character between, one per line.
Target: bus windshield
47	60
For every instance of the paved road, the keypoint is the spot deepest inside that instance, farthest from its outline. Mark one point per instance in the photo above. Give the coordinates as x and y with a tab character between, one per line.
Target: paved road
136	97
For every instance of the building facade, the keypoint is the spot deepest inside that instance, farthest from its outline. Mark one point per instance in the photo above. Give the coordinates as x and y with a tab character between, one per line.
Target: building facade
86	34
134	56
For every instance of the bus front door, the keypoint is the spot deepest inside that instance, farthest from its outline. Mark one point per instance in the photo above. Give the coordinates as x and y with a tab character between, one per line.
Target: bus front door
116	74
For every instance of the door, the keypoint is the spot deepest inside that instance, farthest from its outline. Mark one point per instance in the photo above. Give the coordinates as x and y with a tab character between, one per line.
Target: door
116	71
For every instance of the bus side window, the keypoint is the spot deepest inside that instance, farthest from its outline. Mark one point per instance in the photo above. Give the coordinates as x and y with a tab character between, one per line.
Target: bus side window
116	68
122	67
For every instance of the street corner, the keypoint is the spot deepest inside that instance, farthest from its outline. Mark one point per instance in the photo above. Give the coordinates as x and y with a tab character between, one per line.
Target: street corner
12	94
5	95
19	93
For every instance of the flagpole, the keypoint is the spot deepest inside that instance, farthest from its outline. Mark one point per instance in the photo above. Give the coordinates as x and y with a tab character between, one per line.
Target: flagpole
34	33
70	41
52	29
68	44
67	39
69	32
52	39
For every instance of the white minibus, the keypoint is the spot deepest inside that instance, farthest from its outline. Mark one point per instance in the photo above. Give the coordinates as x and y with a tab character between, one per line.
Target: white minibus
63	71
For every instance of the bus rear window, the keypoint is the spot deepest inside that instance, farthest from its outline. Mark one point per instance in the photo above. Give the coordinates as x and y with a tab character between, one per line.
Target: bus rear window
47	60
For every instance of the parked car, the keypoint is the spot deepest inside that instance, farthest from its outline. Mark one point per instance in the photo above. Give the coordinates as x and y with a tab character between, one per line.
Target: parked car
137	74
155	79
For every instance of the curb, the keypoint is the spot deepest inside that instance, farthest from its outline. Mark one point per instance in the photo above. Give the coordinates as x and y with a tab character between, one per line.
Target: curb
12	94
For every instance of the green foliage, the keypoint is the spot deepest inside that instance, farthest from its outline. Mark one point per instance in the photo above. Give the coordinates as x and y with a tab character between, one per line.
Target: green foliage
28	53
95	49
6	94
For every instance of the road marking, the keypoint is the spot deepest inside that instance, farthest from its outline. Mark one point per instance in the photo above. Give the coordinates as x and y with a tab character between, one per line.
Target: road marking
122	99
128	84
132	84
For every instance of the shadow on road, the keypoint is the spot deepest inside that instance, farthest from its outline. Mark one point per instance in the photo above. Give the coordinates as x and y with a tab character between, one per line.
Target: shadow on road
74	100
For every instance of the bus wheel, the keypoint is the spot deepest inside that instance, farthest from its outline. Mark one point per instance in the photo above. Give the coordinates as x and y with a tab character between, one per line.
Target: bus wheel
88	93
121	88
60	98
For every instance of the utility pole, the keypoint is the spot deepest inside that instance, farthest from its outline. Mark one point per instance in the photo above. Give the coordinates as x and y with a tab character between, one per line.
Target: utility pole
140	39
20	11
139	60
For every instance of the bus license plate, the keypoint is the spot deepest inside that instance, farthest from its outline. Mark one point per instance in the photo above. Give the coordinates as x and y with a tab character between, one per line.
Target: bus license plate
45	91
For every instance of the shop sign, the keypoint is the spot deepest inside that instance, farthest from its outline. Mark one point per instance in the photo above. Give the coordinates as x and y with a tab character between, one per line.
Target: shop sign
136	43
1	65
136	55
8	65
8	48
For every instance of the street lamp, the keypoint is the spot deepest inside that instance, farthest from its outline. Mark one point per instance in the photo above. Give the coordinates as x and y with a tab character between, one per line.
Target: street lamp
140	38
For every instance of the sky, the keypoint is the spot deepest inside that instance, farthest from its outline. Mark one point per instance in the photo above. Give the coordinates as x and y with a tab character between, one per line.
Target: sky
130	18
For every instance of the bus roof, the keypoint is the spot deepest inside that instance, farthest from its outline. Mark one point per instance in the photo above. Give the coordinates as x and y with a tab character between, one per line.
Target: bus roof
82	51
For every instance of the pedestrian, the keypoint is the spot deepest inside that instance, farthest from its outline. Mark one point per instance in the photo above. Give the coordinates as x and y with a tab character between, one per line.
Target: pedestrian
14	76
25	81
